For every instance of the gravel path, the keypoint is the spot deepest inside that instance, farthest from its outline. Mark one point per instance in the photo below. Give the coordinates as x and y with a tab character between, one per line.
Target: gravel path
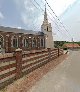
64	78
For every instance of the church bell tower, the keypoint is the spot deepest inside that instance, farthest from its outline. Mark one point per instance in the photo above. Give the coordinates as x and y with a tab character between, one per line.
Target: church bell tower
47	30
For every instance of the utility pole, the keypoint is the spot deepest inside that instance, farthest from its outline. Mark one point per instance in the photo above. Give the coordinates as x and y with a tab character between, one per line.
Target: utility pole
73	43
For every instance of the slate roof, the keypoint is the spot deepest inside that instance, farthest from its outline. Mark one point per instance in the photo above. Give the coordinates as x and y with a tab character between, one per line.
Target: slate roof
16	30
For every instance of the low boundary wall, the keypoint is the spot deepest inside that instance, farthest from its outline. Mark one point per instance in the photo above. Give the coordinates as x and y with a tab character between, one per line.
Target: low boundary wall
13	67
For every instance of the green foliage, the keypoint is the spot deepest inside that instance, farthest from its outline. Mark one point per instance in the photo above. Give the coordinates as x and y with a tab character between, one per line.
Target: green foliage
59	43
74	42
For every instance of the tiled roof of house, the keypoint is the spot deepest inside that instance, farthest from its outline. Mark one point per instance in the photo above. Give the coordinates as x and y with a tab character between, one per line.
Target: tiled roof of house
70	45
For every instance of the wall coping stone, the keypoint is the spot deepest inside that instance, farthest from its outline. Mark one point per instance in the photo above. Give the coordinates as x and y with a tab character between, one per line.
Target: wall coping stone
18	49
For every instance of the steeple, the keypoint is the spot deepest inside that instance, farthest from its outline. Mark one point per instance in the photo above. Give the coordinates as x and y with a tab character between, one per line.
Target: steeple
47	30
45	16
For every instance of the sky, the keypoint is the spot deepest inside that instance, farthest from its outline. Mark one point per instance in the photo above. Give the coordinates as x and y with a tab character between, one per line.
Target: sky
71	20
27	14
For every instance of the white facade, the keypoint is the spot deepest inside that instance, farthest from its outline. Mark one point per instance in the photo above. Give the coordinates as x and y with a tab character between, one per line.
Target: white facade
47	30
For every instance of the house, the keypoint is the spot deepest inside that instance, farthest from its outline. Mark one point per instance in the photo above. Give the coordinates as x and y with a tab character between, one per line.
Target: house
71	46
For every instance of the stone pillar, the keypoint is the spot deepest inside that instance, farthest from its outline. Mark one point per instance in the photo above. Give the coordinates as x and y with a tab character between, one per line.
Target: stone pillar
49	51
58	52
18	55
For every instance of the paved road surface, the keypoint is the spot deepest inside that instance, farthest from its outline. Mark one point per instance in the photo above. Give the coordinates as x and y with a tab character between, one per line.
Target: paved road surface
64	78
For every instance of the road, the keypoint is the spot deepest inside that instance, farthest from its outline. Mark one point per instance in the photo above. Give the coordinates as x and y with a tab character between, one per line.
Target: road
64	78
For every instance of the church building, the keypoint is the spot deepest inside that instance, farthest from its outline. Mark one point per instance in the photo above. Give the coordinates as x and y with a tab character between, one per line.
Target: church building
47	30
13	38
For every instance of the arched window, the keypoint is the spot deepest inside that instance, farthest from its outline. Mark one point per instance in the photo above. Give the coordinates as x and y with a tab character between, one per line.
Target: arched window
34	43
42	42
1	41
25	42
47	28
15	41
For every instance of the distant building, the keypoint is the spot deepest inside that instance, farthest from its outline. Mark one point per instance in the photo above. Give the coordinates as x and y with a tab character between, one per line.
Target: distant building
71	45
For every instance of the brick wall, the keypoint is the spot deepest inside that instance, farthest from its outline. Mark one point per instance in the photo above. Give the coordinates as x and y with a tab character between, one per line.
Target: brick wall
15	66
7	37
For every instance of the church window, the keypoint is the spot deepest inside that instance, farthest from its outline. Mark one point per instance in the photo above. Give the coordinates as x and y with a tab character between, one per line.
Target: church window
26	43
42	42
34	43
47	28
1	41
15	42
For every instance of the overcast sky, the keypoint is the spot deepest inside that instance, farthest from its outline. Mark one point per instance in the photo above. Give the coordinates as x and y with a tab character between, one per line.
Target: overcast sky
71	20
27	14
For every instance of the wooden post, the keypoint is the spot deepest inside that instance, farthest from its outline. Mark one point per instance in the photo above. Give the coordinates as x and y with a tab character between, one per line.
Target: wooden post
18	54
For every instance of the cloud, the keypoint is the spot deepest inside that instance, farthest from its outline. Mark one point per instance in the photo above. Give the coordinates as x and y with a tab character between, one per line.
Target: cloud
26	20
19	27
30	15
1	16
59	6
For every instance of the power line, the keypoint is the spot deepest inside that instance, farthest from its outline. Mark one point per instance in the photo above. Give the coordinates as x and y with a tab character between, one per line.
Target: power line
54	22
48	15
56	25
38	5
57	17
33	23
34	4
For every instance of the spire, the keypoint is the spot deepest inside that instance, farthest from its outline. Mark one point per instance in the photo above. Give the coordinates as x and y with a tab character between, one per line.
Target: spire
45	15
45	8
